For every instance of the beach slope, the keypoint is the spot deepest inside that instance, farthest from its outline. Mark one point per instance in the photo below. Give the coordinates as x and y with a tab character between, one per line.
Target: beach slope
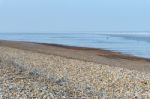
34	70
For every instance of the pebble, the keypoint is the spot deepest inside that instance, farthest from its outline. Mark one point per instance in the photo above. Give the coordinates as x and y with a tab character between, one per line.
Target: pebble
55	77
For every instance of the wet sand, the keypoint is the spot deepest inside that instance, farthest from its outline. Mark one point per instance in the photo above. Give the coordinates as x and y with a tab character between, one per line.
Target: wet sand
82	53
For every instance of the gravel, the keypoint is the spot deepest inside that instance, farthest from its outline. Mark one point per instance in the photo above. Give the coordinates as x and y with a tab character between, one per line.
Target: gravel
26	74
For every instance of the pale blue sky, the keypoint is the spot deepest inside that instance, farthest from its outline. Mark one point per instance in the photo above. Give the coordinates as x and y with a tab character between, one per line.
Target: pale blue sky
74	15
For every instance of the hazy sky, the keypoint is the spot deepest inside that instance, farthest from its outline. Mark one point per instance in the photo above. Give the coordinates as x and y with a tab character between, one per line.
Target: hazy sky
74	15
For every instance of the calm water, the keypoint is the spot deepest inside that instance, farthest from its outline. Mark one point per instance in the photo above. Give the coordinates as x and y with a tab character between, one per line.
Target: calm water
137	45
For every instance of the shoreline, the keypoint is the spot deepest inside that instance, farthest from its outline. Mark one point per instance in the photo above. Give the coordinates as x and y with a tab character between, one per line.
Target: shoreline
96	55
100	51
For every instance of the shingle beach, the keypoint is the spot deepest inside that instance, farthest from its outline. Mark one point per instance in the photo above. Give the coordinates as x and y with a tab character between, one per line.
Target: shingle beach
28	74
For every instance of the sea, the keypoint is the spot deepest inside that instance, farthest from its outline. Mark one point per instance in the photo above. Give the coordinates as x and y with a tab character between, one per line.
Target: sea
133	43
